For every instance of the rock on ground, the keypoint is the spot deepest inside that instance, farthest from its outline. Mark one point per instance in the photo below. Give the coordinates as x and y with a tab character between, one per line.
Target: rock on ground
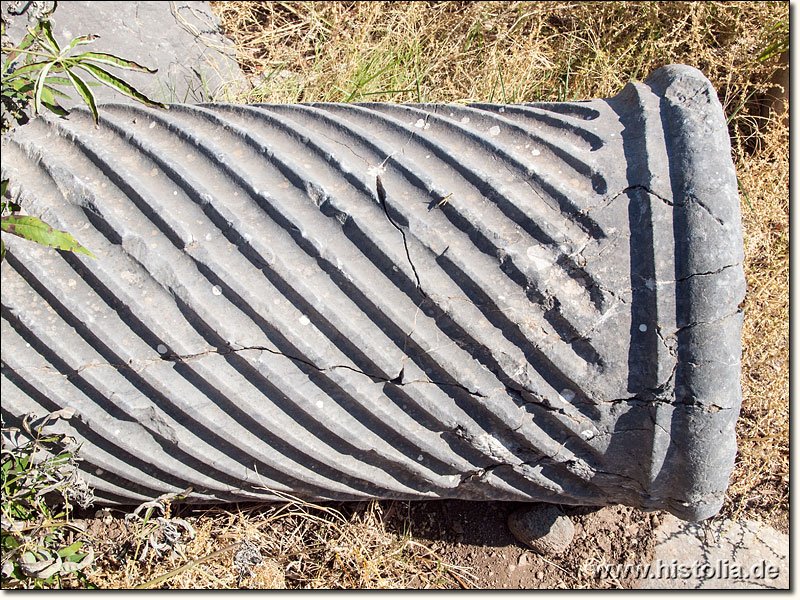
542	527
720	555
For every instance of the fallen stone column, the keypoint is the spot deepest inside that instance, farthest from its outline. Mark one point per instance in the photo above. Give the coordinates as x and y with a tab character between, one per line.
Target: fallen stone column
533	302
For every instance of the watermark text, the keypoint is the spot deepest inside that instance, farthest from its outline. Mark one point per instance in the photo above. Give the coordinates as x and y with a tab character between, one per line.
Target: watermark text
673	569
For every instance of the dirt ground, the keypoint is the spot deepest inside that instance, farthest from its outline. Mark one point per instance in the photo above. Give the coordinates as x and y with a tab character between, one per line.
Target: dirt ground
475	534
470	540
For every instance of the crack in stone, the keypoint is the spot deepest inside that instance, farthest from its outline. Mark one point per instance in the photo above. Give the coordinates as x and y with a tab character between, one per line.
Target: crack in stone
382	198
225	351
719	320
356	154
715	272
691	200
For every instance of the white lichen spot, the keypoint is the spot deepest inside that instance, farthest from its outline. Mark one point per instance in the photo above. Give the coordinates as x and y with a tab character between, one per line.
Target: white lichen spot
427	126
376	170
175	192
465	119
502	110
304	320
642	327
494	130
420	457
420	123
587	434
216	290
98	471
162	349
539	257
535	152
320	404
567	394
72	283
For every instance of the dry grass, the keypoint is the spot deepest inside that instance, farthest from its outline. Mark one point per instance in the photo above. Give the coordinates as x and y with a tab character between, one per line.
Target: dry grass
293	545
512	52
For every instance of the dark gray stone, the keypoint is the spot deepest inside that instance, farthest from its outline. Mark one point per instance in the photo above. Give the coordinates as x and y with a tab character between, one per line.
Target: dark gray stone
544	528
524	302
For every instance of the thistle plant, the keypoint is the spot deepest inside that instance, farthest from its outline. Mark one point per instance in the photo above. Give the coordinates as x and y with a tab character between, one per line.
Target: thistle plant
41	486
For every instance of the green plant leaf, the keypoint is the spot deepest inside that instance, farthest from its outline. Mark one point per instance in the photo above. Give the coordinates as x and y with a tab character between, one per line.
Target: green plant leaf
70	550
48	33
80	85
49	101
36	230
23	45
110	59
58	81
118	84
56	91
37	96
28	68
81	40
3	187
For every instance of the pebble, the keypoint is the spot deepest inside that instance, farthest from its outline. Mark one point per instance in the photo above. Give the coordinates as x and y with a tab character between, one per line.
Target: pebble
542	527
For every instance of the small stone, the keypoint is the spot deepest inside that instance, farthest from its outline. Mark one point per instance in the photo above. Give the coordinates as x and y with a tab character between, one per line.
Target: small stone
523	560
539	575
543	528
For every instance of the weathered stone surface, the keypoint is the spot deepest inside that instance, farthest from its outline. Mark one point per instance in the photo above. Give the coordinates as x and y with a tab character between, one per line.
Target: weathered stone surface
183	40
524	302
544	528
722	554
